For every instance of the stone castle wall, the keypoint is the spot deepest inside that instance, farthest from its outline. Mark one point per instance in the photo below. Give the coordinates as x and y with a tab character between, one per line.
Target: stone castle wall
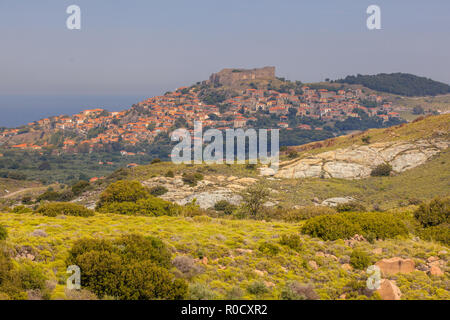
232	77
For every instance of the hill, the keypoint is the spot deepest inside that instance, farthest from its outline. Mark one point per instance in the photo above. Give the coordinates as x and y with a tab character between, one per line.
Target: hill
293	247
399	83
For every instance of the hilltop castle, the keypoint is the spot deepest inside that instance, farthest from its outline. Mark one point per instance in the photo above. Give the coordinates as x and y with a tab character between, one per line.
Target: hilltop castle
232	77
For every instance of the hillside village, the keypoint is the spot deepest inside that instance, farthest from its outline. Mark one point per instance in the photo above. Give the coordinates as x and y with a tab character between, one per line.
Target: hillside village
94	128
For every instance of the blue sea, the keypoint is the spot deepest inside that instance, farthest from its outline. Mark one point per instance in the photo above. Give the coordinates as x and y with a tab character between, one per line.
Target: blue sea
17	110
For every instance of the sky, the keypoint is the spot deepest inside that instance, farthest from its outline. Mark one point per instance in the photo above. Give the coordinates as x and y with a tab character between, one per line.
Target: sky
128	49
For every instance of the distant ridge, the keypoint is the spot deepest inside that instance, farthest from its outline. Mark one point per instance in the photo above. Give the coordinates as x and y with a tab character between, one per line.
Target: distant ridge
404	84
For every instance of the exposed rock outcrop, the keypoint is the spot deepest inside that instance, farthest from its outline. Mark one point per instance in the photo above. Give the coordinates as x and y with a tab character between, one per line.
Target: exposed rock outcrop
396	265
389	291
357	162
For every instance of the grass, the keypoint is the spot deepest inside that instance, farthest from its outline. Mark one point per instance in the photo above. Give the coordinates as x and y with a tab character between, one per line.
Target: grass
220	240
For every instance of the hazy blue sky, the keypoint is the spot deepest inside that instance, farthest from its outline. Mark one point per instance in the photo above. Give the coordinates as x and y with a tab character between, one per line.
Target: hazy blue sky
138	48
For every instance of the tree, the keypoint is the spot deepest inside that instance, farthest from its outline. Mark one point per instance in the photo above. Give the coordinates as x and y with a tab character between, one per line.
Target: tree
44	166
418	110
254	198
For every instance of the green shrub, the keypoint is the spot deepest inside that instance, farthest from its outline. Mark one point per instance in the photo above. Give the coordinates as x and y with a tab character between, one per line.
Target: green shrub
158	191
296	291
123	191
79	187
170	174
132	267
134	247
254	198
31	277
330	227
350	207
292	241
269	248
49	196
360	260
27	200
433	213
225	207
21	209
382	170
292	154
258	288
192	178
64	208
3	233
198	291
377	225
150	206
440	233
146	281
156	160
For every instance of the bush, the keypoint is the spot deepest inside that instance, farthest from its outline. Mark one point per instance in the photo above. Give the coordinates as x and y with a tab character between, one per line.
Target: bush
269	248
3	233
31	277
186	265
440	233
158	191
192	178
48	196
377	225
123	191
146	281
258	288
64	208
254	198
292	154
170	174
27	200
382	170
360	260
129	268
156	160
296	291
198	291
433	213
330	227
292	241
21	209
79	187
350	207
51	195
150	206
225	207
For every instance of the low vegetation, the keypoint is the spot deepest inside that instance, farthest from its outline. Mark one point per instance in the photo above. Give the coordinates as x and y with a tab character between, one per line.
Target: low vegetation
64	208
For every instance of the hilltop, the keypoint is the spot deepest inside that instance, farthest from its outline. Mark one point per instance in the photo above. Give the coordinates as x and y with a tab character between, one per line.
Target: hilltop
95	142
404	84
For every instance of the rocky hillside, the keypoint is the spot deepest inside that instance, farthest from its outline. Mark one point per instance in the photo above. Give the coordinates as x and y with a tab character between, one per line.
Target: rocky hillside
401	147
356	162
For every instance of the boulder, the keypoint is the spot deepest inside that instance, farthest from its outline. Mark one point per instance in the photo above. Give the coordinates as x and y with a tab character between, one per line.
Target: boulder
396	265
313	265
388	290
334	202
436	271
267	172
